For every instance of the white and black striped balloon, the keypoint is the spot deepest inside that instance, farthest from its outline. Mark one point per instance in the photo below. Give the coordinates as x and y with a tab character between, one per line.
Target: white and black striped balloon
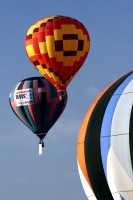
105	143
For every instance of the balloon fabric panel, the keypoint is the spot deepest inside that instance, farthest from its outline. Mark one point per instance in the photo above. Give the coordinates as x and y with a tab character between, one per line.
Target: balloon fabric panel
57	46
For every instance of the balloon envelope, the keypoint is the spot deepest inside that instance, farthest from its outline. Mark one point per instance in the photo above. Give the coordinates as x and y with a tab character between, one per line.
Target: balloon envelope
105	143
57	46
35	102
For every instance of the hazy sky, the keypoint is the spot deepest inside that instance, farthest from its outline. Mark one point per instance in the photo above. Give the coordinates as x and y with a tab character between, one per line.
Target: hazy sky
25	175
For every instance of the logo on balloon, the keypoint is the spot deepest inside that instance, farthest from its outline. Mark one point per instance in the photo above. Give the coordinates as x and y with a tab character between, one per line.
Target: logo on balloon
24	97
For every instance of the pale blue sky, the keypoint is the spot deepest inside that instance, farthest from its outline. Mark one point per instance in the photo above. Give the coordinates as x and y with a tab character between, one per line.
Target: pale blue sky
54	175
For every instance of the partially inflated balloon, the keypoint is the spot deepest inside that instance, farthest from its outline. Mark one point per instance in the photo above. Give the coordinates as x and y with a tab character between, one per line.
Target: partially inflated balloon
36	103
105	143
57	46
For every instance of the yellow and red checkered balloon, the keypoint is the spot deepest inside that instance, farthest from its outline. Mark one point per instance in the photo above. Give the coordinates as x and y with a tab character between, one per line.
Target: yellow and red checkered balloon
57	46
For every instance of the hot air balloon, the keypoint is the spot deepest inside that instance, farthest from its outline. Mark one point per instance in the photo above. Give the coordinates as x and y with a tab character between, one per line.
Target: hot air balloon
105	143
57	46
36	103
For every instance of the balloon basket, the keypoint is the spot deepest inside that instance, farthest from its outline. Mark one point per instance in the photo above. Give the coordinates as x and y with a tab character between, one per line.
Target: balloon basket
40	145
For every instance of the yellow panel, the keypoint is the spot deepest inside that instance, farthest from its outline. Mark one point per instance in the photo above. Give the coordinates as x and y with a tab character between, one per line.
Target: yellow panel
66	45
67	29
42	47
72	29
30	50
50	46
70	45
58	34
